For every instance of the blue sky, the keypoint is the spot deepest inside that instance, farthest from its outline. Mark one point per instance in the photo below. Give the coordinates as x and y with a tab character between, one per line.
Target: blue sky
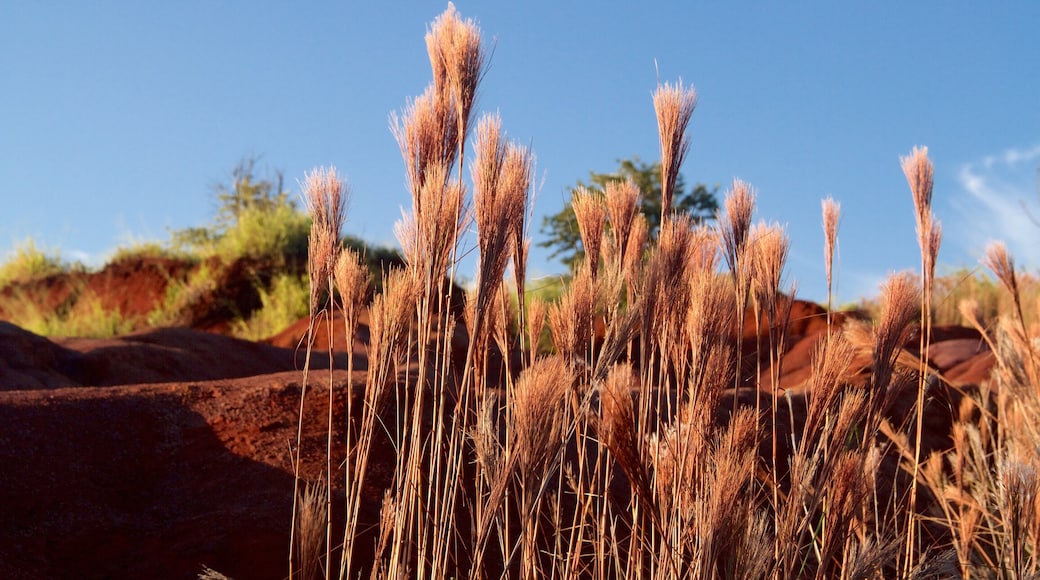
116	118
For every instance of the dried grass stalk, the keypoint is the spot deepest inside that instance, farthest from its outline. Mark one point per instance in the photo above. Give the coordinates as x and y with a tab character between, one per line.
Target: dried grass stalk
736	223
326	200
831	215
458	62
591	214
674	106
311	529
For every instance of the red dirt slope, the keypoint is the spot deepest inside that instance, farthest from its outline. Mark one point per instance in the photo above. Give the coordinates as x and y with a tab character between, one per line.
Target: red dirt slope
154	481
28	361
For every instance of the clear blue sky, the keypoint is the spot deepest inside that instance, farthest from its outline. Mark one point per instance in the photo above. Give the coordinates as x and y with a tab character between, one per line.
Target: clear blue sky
116	118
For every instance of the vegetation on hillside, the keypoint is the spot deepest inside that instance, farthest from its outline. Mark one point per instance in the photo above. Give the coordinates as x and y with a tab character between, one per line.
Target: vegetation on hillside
27	262
256	223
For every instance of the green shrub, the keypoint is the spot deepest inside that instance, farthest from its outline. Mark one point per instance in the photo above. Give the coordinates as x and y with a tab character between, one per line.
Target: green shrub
181	295
85	318
283	303
148	249
277	233
28	262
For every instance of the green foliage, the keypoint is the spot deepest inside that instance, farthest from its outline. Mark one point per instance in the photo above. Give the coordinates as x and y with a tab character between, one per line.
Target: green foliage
27	262
561	229
182	295
283	303
255	218
248	193
86	318
278	232
146	249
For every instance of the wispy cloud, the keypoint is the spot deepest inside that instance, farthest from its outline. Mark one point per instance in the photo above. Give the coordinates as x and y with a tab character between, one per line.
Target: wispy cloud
999	202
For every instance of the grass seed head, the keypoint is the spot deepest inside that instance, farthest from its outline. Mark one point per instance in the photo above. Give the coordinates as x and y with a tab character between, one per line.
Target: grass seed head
591	214
458	62
831	215
352	281
325	195
674	106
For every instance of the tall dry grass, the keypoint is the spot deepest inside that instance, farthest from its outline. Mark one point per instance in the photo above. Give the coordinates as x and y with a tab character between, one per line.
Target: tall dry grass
655	439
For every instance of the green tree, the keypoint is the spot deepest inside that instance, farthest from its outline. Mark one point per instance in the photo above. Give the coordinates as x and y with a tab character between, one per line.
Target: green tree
561	229
248	192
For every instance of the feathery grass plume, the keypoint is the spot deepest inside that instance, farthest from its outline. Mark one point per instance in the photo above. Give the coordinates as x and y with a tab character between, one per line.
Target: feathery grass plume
501	179
427	137
570	319
676	453
919	171
634	250
503	328
521	251
676	247
901	300
496	326
325	194
519	166
971	315
538	413
429	235
736	223
311	532
620	433
847	490
537	434
620	325
390	316
520	235
709	330
622	199
494	473
901	306
488	445
458	64
591	214
725	508
769	247
536	310
998	261
493	240
831	214
1019	505
352	282
831	363
674	106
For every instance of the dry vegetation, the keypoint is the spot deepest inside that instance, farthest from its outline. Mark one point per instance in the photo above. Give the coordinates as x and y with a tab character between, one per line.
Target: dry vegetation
641	445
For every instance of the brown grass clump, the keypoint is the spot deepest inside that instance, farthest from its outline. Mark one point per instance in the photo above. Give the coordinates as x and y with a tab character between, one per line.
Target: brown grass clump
653	437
